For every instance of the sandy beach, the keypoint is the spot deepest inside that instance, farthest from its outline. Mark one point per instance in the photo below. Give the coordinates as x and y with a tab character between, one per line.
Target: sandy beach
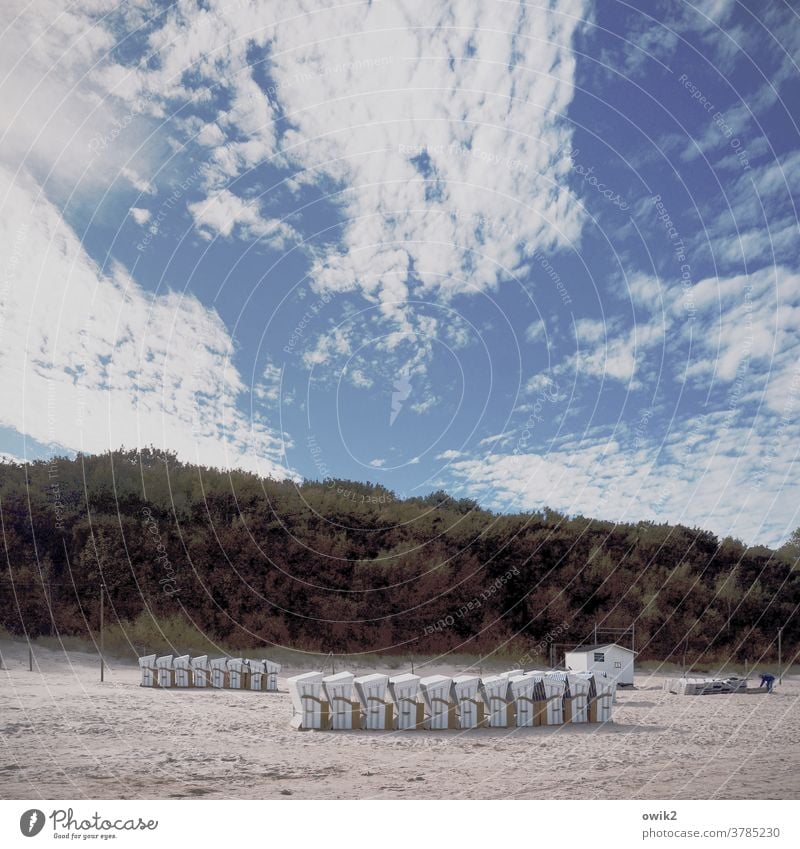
67	736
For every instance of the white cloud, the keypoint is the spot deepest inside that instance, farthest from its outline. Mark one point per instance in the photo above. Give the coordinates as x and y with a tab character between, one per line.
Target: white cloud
91	362
140	216
223	211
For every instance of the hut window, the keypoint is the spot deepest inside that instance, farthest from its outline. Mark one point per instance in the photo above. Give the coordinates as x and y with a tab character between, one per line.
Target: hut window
599	657
617	664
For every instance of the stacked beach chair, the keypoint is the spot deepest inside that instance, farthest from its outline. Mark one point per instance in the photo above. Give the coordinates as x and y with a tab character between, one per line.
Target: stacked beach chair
705	686
220	673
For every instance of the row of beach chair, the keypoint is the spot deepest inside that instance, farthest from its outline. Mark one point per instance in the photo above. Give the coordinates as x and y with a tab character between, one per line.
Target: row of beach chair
513	699
223	673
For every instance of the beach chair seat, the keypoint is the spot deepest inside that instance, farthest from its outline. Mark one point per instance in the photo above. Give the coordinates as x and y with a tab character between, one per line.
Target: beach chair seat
377	714
218	672
238	674
464	693
345	712
440	711
523	690
576	703
258	675
165	673
183	671
310	711
409	712
200	671
147	671
499	707
273	669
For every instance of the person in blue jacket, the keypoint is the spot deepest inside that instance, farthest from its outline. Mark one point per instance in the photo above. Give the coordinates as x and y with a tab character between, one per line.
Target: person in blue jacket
767	679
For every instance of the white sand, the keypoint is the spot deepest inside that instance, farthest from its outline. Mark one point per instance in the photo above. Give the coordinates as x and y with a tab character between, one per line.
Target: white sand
66	736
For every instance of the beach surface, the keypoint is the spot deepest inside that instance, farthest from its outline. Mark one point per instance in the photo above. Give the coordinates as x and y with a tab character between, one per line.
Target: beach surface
66	736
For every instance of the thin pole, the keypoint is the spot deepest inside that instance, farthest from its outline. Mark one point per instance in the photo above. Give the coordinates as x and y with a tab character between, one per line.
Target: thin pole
30	657
102	605
595	632
780	656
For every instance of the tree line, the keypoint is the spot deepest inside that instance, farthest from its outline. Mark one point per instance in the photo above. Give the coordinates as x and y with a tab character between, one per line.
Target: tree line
345	566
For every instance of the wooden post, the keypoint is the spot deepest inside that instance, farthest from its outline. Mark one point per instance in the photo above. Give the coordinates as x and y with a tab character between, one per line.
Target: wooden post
780	656
102	600
30	657
595	632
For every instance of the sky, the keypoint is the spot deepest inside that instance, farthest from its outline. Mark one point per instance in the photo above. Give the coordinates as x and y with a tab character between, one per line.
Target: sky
539	254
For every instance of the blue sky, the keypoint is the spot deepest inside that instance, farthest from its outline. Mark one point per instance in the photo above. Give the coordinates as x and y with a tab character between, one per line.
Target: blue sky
539	254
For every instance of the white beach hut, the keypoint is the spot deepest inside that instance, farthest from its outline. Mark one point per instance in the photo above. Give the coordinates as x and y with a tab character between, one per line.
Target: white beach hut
183	671
465	696
345	713
238	674
615	660
499	709
165	674
371	692
147	670
440	710
200	671
218	672
310	710
272	675
410	713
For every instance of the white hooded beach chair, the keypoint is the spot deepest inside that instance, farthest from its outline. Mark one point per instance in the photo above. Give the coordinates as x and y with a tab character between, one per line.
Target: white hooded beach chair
218	672
403	690
147	669
310	710
499	709
183	671
238	674
523	691
258	674
371	692
164	671
464	694
555	686
273	669
200	671
577	701
441	712
602	704
345	713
